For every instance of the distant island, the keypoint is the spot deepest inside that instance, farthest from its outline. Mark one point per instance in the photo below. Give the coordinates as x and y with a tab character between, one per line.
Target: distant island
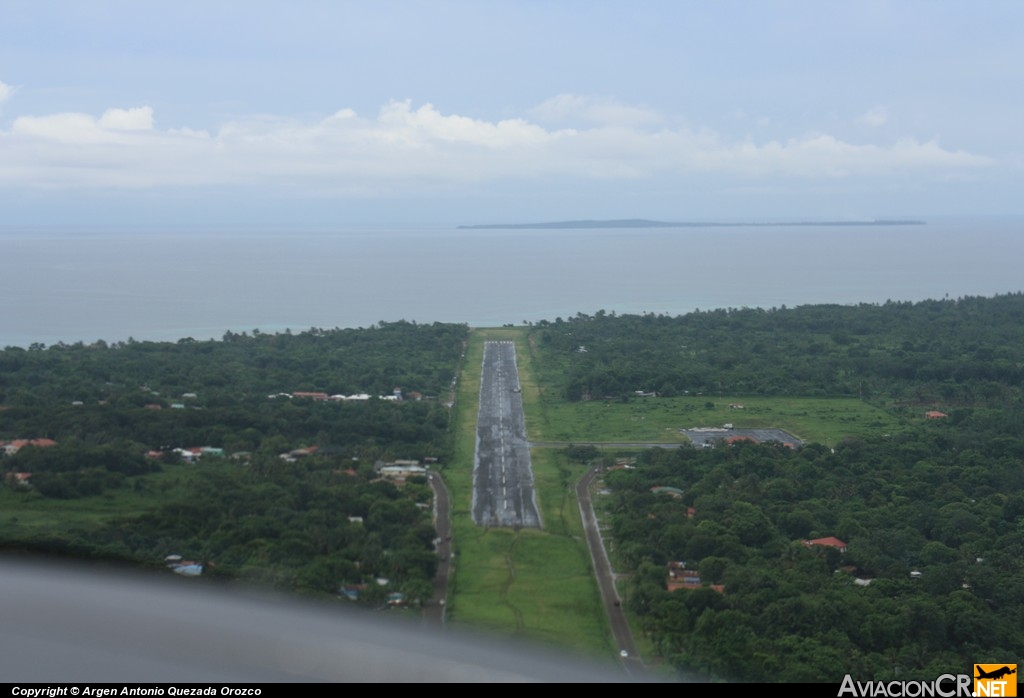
644	223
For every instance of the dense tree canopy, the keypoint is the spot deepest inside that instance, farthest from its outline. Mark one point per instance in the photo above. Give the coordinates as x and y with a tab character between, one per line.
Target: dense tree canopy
122	415
932	521
959	351
932	517
414	357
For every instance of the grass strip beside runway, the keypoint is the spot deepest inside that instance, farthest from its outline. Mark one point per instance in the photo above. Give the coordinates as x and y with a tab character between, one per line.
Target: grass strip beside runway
657	419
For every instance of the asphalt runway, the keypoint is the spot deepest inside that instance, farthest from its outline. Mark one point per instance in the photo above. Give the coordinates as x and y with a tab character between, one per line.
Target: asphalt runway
503	493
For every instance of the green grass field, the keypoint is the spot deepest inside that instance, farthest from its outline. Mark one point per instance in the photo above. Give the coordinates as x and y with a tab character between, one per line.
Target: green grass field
825	420
537	585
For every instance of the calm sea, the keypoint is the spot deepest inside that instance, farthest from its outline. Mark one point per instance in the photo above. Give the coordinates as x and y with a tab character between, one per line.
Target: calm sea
74	286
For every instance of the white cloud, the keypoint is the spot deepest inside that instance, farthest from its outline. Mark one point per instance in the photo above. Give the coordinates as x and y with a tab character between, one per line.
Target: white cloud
5	91
875	117
427	123
137	119
402	147
68	127
567	108
819	155
114	126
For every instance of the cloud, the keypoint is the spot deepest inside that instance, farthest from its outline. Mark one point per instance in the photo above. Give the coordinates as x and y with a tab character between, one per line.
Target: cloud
875	117
83	129
138	119
823	155
403	148
427	123
566	108
68	128
5	91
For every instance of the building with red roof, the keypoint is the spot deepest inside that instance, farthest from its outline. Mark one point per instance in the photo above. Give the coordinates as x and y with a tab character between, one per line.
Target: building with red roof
829	542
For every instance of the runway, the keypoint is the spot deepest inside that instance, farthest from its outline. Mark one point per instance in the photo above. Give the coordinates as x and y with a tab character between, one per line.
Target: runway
503	493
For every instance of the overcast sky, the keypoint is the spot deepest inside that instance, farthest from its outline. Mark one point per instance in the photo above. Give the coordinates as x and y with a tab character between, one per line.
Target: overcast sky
437	112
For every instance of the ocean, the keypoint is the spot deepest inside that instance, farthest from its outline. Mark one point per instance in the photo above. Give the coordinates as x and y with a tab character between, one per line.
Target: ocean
82	285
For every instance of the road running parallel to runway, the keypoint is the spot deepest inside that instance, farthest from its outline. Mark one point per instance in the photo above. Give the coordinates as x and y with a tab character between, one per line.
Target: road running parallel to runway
503	493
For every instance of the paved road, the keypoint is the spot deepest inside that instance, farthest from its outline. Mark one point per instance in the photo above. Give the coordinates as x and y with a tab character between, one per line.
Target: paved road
606	578
434	611
503	492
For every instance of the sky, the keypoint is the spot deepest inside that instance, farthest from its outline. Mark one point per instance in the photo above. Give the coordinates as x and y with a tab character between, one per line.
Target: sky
445	112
